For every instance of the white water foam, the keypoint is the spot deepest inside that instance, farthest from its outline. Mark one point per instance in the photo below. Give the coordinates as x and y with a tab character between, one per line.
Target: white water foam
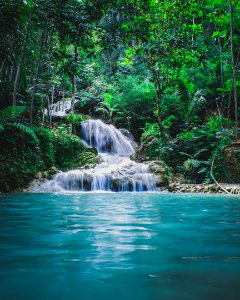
116	172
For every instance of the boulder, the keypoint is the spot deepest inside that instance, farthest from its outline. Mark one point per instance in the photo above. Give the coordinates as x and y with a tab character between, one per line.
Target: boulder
162	180
53	171
39	175
128	135
141	152
172	187
115	184
162	172
179	178
87	158
231	161
158	167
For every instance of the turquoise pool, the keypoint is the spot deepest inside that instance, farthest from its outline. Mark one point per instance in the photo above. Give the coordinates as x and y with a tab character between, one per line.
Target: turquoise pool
119	246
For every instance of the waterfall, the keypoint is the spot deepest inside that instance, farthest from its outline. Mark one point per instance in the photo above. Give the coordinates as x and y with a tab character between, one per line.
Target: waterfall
106	138
115	173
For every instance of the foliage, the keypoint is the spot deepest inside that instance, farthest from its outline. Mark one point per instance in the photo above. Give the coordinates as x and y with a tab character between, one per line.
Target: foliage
11	112
166	70
133	103
7	117
191	152
21	158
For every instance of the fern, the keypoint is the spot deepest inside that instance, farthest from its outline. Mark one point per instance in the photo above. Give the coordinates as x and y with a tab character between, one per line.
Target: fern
191	164
11	112
198	101
183	92
193	101
102	111
26	129
185	154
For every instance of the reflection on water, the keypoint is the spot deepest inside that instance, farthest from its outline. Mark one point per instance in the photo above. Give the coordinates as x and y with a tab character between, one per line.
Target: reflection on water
110	246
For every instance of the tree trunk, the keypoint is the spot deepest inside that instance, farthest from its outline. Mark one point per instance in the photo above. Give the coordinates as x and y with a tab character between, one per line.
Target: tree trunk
16	85
34	87
51	105
234	82
22	56
220	108
74	82
11	73
158	91
1	68
158	104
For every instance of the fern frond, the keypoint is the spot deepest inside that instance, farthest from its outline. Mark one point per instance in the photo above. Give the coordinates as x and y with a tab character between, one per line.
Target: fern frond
183	92
1	128
11	112
201	151
198	100
102	110
26	129
185	154
191	164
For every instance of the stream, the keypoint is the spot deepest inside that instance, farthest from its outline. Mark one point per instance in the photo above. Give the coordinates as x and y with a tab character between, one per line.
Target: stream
116	172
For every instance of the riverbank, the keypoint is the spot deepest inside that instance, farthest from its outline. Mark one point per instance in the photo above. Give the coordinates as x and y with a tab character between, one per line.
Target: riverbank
204	188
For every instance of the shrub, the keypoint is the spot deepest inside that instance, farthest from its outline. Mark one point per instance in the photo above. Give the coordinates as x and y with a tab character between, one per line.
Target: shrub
21	157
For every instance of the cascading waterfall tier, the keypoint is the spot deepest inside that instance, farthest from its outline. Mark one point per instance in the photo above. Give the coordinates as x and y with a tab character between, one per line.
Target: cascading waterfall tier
116	172
106	138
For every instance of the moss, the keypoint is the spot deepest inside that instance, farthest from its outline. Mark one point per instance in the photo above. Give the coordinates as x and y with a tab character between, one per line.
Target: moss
87	158
231	162
21	158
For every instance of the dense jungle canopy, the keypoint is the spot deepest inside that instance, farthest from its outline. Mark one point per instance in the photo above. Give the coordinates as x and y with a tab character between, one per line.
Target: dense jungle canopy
166	70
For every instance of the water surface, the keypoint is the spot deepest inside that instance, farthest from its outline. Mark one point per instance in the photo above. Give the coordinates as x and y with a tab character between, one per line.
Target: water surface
119	246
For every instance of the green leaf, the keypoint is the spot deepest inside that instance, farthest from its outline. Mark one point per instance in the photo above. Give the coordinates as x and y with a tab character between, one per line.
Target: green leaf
26	129
11	112
1	128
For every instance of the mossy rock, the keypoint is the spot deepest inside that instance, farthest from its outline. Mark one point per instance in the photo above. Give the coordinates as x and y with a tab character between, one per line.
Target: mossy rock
87	158
158	167
163	180
162	171
231	162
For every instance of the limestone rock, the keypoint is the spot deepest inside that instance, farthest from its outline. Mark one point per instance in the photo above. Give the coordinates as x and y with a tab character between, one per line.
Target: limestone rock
231	161
173	187
129	136
162	180
53	171
179	178
162	171
158	167
140	154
